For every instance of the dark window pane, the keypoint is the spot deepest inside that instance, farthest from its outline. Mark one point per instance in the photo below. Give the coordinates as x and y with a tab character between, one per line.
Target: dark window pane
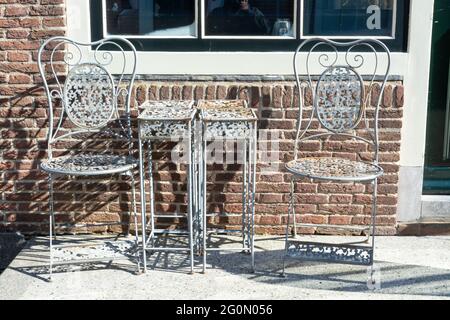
249	17
151	17
348	17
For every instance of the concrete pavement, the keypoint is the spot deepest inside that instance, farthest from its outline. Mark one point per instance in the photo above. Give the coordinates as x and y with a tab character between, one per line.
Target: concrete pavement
409	268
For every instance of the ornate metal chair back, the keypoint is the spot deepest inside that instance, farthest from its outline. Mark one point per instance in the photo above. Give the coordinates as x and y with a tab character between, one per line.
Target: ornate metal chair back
80	87
340	97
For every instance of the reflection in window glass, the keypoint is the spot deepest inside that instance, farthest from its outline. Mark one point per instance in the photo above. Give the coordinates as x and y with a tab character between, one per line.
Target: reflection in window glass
151	17
249	18
348	17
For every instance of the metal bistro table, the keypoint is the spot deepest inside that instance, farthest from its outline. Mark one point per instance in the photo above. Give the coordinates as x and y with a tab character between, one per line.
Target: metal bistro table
166	121
225	120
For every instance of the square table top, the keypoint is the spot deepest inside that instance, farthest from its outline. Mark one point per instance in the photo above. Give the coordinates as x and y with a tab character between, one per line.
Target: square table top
167	111
225	110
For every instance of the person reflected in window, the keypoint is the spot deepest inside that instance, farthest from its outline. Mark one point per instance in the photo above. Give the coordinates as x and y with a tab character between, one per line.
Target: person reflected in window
237	17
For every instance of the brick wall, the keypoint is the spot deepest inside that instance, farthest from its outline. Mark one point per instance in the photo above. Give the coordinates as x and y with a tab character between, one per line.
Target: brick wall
23	123
322	203
23	24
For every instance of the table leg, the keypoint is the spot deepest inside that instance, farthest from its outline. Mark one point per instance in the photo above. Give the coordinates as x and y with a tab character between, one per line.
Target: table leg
244	195
203	161
254	159
190	199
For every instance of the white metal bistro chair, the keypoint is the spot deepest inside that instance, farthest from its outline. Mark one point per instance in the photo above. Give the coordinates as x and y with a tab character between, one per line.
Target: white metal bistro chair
340	99
86	102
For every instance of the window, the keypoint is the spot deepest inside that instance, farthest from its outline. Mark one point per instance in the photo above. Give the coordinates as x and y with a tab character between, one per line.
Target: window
150	18
247	25
249	18
344	18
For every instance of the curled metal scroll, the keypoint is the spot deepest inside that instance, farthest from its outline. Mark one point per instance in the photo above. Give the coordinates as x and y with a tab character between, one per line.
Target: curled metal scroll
76	54
354	58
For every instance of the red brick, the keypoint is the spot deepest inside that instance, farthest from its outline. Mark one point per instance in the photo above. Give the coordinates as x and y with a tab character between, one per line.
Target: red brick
255	96
30	22
311	198
187	93
341	198
9	23
18	56
221	92
141	94
233	92
12	11
18	45
19	79
277	97
164	93
270	220
387	96
53	22
199	92
210	92
153	93
176	93
46	11
54	2
266	100
399	96
42	34
340	220
17	34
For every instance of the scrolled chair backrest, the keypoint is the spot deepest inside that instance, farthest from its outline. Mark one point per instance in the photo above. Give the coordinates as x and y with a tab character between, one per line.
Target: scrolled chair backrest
347	72
91	83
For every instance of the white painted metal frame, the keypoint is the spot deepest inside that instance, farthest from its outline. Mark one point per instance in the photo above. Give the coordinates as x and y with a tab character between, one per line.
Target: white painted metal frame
329	61
90	59
250	152
145	142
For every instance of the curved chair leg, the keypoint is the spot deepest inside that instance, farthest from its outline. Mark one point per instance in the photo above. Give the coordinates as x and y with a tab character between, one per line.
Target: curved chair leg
142	190
244	196
190	199
290	210
152	193
136	233
248	178
373	221
51	225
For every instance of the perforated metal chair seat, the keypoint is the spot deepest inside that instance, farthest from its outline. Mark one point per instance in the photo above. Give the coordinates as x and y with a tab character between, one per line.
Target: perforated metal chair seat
336	169
89	164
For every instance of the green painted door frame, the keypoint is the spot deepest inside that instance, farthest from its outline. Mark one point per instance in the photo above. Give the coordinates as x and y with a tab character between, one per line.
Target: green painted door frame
437	163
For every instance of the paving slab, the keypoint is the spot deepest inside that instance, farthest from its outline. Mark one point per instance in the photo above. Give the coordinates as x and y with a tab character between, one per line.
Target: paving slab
407	267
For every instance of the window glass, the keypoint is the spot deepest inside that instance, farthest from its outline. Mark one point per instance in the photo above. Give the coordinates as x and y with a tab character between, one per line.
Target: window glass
348	17
249	18
151	17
